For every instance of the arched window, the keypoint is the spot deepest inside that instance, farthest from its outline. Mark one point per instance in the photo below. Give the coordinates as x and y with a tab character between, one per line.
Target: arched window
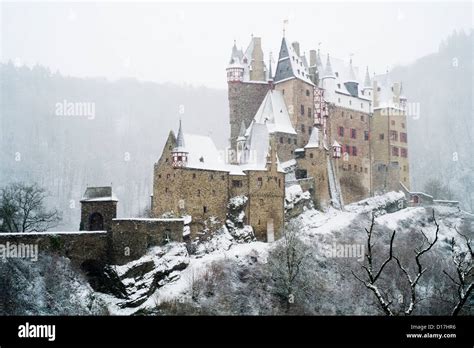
96	222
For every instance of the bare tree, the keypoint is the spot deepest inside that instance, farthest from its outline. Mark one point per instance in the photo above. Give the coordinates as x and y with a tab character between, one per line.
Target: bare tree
373	275
464	267
420	270
22	209
286	263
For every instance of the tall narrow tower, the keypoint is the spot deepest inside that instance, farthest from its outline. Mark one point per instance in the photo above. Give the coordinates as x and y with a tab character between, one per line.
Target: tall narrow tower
247	80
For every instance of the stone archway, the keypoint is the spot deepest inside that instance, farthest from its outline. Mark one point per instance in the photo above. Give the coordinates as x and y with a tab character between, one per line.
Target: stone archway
96	222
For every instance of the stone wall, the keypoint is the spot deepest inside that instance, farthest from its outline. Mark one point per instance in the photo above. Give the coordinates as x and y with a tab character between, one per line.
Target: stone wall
266	202
353	169
244	101
299	99
286	145
314	161
130	238
385	177
78	246
108	210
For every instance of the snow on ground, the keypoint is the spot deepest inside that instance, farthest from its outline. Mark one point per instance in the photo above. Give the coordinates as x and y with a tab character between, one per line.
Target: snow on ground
392	221
314	224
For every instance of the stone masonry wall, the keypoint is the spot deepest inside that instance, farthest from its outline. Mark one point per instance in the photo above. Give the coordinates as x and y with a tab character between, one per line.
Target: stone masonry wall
130	238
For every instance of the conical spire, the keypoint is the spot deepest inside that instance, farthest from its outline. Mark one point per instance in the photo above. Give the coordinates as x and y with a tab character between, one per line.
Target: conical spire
180	139
367	81
352	76
328	70
270	73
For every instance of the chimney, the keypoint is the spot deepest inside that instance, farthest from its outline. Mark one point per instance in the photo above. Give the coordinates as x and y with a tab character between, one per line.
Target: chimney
312	57
257	73
296	46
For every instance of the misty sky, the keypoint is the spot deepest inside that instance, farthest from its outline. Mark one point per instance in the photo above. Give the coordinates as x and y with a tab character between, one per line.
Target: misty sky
191	42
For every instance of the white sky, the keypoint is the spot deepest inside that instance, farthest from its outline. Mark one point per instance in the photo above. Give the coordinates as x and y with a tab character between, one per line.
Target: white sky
190	43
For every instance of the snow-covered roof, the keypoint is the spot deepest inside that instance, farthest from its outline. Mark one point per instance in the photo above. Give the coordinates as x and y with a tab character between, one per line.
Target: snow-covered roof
244	60
203	153
274	114
290	65
99	194
313	141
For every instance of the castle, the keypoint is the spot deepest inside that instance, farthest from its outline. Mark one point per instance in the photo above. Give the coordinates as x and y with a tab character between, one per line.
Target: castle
328	127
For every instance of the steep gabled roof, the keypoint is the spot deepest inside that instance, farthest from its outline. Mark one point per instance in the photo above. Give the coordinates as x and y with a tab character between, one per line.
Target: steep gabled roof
313	141
290	65
274	114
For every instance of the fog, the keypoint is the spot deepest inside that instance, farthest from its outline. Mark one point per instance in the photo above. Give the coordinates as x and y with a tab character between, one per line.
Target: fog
190	43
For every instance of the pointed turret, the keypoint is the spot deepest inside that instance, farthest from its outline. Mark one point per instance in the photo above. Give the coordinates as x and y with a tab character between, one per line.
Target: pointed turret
367	81
328	73
351	84
179	153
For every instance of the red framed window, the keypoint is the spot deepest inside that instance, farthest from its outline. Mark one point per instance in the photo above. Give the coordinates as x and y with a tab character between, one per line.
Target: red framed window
403	137
394	151
354	151
404	152
341	131
394	135
353	133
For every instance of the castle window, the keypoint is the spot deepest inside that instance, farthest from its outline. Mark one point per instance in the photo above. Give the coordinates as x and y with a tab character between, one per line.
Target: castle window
337	74
309	112
211	177
394	135
392	122
403	137
404	152
166	190
259	182
199	193
301	173
348	149
194	175
294	141
283	91
355	168
303	129
302	110
159	176
366	135
350	116
349	167
403	125
281	140
365	170
289	140
339	85
204	209
213	192
307	92
311	155
166	160
362	117
381	136
341	131
223	177
236	183
279	182
353	133
354	151
394	151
